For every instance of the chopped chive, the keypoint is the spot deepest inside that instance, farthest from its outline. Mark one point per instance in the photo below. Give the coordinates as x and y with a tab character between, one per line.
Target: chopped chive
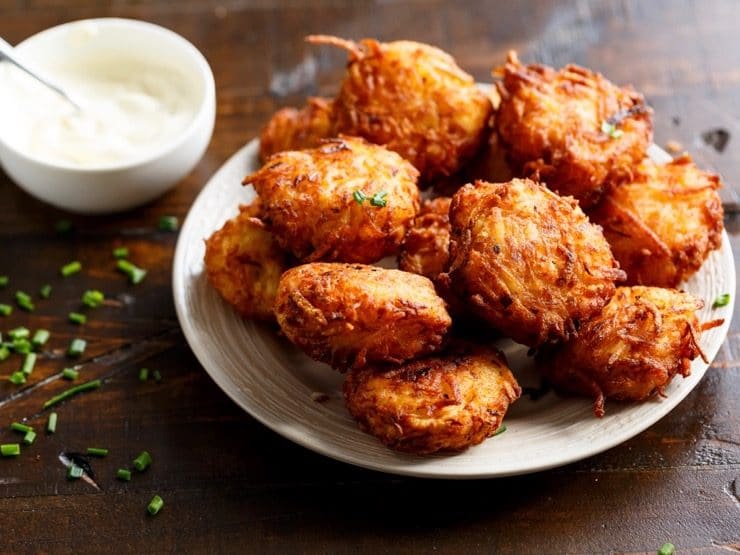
134	273
30	437
63	226
24	301
501	430
17	378
168	223
74	472
6	309
155	505
23	428
94	384
123	474
40	338
608	128
19	333
379	199
157	376
359	196
70	374
76	347
51	425
120	252
77	318
21	345
4	280
28	363
97	451
10	449
45	291
4	352
143	374
722	300
143	461
92	298
667	549
71	268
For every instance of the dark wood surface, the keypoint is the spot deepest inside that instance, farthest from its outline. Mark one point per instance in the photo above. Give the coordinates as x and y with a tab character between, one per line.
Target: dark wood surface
231	485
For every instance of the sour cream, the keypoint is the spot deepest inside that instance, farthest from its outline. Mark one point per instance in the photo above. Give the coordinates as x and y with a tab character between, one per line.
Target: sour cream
131	110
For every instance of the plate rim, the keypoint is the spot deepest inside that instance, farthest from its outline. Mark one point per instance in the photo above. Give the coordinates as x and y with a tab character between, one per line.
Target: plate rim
325	449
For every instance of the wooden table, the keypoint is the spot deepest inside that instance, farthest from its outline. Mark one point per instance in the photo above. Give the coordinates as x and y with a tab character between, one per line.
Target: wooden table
231	485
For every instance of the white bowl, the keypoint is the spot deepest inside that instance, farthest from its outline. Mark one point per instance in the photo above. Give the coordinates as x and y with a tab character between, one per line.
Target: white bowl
115	187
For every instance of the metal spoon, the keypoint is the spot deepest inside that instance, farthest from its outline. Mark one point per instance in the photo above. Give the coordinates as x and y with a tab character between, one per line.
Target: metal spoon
7	52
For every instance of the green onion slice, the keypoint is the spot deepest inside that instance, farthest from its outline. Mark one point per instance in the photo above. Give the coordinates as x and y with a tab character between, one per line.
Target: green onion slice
143	461
94	384
71	268
155	505
77	318
10	449
76	347
51	425
30	437
28	363
40	338
23	428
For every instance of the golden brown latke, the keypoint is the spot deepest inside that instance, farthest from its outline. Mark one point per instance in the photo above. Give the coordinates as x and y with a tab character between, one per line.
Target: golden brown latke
426	247
292	129
571	127
445	402
348	315
347	200
414	99
632	349
244	263
527	260
663	223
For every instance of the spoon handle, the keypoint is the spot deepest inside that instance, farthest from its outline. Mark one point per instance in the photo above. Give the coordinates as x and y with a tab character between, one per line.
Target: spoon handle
7	53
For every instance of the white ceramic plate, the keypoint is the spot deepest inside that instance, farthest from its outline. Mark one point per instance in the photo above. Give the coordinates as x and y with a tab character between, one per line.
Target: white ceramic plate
274	382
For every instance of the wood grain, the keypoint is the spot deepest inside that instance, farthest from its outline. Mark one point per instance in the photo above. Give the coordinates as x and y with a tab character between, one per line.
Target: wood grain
229	484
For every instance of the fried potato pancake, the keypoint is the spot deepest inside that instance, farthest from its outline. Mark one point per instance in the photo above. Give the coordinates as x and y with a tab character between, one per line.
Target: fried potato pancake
527	260
349	315
571	128
426	247
292	129
445	402
346	200
663	223
632	349
244	264
414	99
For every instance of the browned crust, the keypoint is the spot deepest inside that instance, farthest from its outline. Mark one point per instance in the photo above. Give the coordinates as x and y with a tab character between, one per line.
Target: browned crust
292	129
527	260
414	99
446	402
244	263
632	350
309	202
550	122
349	315
663	223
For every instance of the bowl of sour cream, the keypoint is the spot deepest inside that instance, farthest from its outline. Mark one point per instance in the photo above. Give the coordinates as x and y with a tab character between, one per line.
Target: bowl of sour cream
147	110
